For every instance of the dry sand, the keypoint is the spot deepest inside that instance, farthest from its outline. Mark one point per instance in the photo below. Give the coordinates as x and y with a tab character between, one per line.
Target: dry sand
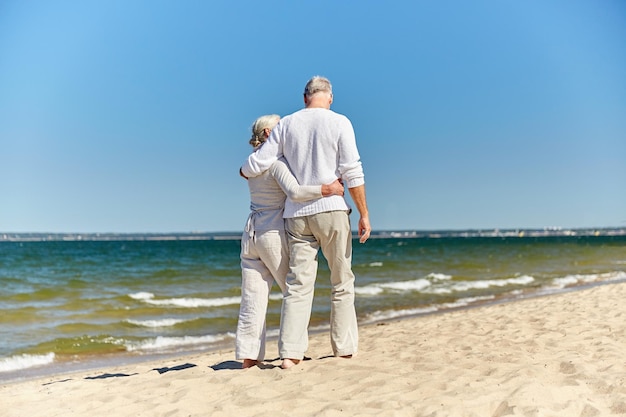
559	355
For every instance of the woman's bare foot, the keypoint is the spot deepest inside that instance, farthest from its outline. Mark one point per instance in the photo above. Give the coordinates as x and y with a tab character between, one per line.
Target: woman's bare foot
288	363
249	363
346	356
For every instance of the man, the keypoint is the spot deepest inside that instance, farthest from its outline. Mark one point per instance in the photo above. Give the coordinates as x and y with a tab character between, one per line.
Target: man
319	146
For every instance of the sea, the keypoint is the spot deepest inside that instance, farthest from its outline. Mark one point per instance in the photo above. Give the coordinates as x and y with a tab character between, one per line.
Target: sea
75	302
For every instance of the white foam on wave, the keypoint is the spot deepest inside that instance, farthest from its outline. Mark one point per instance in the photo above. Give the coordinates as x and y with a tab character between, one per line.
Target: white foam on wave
415	285
564	281
576	279
141	296
18	362
319	328
403	286
483	284
393	314
148	297
276	296
439	277
375	264
400	286
464	302
272	333
156	323
373	289
168	343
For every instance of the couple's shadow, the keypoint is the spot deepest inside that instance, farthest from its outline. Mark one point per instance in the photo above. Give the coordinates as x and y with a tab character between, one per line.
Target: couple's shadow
231	365
226	365
268	364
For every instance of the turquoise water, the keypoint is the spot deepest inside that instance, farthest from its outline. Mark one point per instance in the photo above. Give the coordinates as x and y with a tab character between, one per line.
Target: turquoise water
68	302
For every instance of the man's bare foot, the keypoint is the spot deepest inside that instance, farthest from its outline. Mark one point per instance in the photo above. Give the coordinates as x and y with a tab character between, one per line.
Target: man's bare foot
346	356
288	363
249	363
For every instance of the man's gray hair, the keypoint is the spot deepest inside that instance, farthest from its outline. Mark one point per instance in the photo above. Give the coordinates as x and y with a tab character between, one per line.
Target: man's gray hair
318	84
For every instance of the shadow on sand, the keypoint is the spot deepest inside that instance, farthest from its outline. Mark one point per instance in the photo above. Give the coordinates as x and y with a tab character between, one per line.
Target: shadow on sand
105	376
174	368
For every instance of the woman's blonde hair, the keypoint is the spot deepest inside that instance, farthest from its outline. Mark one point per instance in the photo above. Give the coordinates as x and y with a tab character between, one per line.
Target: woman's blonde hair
268	121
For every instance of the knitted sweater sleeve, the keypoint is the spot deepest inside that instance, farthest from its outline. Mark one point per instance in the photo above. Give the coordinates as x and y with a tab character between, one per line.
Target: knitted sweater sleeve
288	183
350	166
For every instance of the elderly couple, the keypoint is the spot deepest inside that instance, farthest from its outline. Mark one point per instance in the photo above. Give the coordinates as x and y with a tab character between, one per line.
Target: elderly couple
292	217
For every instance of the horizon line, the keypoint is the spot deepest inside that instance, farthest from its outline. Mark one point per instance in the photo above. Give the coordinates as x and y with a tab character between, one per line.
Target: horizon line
397	233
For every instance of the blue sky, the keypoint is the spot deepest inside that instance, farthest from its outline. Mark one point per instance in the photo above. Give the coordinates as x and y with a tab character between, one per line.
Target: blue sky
134	116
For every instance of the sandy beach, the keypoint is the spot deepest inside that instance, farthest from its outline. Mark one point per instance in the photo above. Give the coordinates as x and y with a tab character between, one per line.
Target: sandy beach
558	355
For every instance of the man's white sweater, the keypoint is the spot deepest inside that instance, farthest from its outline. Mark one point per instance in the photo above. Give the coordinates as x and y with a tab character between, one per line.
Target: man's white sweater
320	146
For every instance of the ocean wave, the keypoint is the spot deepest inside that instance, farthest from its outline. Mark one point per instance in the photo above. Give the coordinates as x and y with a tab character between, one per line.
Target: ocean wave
482	284
576	279
439	277
18	362
403	286
148	298
276	296
395	314
156	323
272	333
141	295
169	343
415	285
375	289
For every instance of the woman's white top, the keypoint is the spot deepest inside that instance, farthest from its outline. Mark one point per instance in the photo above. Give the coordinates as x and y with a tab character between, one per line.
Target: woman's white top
268	192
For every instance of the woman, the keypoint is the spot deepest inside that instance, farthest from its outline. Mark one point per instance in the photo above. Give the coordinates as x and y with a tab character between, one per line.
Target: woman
264	257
